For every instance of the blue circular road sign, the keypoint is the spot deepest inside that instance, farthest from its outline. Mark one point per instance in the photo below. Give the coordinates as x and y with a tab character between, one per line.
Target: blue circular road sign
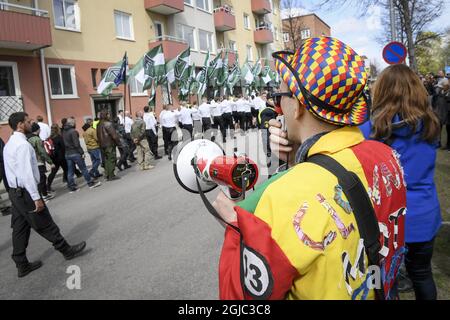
395	53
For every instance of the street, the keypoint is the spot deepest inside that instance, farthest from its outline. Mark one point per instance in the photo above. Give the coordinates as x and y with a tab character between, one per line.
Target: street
146	238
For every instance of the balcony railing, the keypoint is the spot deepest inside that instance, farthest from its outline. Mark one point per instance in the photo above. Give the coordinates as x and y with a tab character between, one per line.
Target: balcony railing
24	28
263	35
165	7
10	105
172	46
261	6
224	19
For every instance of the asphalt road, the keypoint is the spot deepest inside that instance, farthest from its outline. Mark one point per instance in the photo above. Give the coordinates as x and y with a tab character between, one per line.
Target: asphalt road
146	237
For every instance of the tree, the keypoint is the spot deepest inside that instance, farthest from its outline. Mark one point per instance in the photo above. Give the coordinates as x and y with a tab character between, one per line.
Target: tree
429	52
374	69
292	24
413	18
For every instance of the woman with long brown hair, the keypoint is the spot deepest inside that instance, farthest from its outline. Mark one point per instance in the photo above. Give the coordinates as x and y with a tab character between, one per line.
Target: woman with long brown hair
403	118
58	156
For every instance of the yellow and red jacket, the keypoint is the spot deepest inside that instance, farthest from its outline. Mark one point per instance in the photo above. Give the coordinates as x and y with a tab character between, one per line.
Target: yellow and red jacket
299	238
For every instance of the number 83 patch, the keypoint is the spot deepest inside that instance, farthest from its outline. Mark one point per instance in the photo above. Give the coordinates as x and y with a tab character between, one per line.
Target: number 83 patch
256	276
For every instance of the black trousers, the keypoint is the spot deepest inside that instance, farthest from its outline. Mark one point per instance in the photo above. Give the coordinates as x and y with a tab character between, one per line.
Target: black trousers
190	129
220	125
243	121
42	186
167	137
58	164
418	265
249	120
206	124
131	146
152	139
23	220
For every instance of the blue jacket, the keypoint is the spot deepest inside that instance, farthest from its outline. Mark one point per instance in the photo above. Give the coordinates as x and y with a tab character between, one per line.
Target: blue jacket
418	158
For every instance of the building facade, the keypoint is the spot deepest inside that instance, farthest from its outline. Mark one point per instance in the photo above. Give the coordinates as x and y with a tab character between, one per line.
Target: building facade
296	29
53	53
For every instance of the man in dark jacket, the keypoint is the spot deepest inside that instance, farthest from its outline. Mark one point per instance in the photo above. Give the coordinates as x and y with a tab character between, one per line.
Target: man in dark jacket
108	140
75	155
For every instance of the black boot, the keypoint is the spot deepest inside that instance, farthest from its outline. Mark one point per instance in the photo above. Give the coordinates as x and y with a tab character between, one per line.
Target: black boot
119	167
71	252
25	269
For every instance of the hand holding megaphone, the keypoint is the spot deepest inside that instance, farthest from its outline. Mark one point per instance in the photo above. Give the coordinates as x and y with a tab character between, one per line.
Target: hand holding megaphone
202	163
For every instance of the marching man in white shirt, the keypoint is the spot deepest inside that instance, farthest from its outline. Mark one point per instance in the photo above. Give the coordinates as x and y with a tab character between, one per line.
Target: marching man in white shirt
241	109
197	119
28	208
150	129
186	120
216	113
227	116
168	119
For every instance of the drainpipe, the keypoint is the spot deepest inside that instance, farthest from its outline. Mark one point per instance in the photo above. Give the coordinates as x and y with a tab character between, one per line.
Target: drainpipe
44	76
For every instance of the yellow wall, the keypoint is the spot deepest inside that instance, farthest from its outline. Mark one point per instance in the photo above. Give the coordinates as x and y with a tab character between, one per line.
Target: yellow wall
97	40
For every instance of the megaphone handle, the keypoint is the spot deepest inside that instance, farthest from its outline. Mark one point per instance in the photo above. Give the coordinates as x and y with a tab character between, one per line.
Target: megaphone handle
211	209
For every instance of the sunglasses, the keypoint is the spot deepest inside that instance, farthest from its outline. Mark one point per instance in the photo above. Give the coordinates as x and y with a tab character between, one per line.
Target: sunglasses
276	97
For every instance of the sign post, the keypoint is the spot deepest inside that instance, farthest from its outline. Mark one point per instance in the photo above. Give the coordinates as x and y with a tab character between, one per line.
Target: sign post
395	53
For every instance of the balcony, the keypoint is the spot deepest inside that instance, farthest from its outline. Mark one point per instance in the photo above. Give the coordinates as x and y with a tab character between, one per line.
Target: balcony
171	46
23	30
224	19
261	6
165	7
263	35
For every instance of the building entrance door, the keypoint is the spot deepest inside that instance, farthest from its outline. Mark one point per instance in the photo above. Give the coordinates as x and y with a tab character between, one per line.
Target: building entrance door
106	105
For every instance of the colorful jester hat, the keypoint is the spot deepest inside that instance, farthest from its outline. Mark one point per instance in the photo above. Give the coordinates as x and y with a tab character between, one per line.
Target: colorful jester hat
328	78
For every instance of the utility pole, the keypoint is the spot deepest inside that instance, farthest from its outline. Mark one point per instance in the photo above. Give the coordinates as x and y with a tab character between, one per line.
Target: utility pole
393	26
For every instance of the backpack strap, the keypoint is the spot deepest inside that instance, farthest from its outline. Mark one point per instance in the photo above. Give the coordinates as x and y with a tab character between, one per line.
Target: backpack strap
362	207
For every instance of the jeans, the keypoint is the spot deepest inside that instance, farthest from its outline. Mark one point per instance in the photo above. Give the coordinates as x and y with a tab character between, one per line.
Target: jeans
96	158
73	159
418	265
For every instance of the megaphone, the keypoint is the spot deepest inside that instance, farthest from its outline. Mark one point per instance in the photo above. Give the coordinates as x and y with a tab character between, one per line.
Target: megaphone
203	163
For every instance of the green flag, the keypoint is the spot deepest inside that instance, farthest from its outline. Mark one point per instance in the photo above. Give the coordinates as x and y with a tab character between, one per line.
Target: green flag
247	73
234	75
214	66
257	69
202	76
107	84
223	73
265	73
177	68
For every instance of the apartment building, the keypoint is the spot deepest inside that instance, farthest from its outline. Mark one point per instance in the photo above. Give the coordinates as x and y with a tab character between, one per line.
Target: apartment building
299	28
53	53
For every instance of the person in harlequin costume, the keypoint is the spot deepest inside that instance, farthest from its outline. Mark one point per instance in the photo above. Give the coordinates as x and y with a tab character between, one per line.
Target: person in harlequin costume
295	236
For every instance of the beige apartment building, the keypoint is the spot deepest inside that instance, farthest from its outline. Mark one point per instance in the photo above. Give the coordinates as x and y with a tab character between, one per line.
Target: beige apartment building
53	53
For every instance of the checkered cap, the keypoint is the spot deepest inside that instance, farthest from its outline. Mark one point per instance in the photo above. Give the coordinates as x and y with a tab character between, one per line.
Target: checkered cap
331	72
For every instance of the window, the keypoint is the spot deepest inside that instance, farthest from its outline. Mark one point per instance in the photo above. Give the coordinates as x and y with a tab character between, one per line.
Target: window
94	77
7	83
159	29
137	88
305	34
246	21
66	14
187	34
102	72
232	45
124	25
249	53
286	37
10	99
62	82
188	2
203	4
205	40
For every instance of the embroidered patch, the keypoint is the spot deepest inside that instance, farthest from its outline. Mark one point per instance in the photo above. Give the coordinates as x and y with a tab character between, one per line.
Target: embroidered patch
357	269
397	156
344	204
374	192
388	178
256	274
394	217
320	246
343	230
384	251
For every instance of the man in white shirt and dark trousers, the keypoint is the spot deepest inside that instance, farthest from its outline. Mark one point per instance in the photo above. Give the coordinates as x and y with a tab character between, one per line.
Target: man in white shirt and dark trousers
150	129
28	208
196	118
128	122
204	111
216	113
227	116
186	121
168	119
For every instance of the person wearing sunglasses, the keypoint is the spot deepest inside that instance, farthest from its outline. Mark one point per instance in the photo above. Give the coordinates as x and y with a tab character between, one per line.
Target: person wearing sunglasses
298	236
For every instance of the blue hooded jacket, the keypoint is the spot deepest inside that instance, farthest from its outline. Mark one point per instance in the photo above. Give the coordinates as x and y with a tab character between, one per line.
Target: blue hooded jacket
418	158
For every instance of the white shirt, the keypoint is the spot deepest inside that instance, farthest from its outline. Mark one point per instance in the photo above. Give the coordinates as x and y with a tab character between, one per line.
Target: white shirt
150	122
216	110
195	114
128	123
169	119
233	105
186	116
120	119
21	165
45	131
248	106
259	103
226	106
241	105
205	110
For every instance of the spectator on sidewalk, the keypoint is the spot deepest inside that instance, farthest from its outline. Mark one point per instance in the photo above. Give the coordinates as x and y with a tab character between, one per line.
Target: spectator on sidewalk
45	129
138	134
108	141
42	159
91	141
58	157
128	122
75	155
124	151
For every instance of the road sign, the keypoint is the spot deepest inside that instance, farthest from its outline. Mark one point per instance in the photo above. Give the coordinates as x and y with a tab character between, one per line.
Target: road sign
395	53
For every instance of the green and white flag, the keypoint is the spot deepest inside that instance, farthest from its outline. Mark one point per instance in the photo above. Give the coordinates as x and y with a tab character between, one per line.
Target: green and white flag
107	84
202	76
257	68
191	82
234	75
223	72
177	68
265	74
170	70
247	73
213	66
